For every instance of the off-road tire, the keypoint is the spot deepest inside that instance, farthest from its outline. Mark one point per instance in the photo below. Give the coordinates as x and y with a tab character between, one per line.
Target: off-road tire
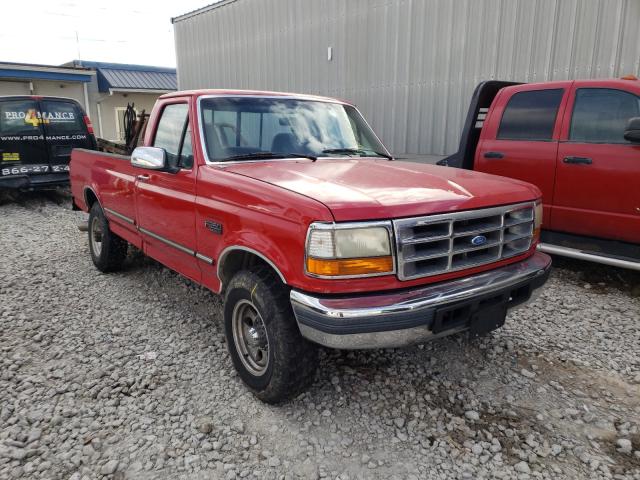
113	249
292	360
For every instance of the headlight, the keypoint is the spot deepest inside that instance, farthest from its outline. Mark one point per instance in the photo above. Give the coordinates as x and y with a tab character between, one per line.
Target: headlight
537	220
349	250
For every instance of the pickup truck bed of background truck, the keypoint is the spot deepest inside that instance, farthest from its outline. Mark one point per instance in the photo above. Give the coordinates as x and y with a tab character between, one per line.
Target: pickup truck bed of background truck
579	142
291	208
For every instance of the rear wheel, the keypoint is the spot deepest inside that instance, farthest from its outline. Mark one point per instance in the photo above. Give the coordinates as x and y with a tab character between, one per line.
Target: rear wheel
108	251
267	350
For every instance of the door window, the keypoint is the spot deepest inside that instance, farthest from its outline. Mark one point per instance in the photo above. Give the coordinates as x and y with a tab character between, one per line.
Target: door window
531	115
186	151
170	131
600	115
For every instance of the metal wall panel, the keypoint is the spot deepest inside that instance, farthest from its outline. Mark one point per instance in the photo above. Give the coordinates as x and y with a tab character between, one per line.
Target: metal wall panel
410	65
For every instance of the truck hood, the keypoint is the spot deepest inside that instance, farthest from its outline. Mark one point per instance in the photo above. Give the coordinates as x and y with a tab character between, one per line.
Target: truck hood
368	189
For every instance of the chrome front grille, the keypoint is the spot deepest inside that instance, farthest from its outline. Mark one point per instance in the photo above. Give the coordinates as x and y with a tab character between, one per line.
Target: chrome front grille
448	242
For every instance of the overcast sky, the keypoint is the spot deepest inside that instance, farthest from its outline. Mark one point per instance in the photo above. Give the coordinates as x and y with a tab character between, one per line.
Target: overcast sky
123	31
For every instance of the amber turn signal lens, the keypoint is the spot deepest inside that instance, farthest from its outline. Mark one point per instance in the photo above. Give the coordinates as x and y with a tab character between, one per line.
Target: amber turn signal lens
537	221
350	266
536	234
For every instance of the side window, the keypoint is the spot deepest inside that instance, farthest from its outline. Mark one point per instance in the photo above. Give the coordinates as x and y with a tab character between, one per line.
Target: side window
364	136
186	152
600	115
531	115
170	130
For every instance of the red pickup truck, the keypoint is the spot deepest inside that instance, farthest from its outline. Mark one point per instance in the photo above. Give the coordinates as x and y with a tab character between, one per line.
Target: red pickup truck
291	208
579	142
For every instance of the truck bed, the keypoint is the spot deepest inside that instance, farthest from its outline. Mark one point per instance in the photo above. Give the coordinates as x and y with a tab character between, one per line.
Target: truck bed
115	177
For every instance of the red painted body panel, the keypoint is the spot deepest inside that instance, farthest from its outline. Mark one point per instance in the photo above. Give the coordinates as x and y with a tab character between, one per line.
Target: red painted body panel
380	189
529	161
255	215
112	179
601	199
274	221
267	206
166	206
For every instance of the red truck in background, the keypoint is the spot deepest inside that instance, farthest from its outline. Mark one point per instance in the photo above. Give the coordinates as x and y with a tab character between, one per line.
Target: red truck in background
291	208
579	142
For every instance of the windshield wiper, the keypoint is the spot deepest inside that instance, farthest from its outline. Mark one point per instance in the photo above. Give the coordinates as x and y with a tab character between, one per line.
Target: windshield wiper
357	151
267	155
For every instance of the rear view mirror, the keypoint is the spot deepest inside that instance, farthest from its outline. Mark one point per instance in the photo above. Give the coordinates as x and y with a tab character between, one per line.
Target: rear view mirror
151	158
632	132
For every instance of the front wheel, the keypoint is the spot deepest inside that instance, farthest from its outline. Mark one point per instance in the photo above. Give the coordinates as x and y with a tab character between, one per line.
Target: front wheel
108	251
267	350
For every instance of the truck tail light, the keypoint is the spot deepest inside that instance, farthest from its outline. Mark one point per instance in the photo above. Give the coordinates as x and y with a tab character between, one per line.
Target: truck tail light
87	122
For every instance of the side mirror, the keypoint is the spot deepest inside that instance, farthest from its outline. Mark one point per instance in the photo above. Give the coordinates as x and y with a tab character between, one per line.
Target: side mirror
632	132
152	158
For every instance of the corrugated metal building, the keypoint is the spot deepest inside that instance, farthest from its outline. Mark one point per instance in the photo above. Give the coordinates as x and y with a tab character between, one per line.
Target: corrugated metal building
410	65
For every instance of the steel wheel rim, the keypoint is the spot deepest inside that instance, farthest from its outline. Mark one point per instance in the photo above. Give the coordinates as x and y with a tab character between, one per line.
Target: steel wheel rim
250	337
95	236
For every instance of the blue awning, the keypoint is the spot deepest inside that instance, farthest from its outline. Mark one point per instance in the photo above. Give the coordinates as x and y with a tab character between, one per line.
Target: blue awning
37	74
125	77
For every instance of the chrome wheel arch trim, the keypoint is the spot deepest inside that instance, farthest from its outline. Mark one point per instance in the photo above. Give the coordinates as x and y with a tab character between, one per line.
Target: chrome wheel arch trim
233	248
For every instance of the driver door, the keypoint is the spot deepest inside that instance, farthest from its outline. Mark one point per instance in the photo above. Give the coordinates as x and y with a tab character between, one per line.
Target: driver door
165	201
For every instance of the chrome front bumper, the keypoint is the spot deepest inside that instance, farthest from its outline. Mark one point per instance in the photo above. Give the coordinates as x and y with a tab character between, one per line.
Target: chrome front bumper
400	318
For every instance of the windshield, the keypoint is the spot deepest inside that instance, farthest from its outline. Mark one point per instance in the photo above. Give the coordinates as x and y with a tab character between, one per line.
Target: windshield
242	128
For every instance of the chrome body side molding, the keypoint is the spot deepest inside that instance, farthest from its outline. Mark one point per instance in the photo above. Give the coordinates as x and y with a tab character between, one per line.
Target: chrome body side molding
162	239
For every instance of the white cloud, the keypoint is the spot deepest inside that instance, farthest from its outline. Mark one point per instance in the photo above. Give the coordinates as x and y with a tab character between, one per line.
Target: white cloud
133	31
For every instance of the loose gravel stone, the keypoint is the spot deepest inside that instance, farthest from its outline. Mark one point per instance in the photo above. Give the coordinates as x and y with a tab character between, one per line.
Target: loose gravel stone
526	373
109	468
522	467
205	425
127	375
472	415
624	445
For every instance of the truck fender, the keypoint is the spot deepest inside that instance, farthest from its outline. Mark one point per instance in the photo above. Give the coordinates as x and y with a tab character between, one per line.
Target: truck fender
235	248
87	193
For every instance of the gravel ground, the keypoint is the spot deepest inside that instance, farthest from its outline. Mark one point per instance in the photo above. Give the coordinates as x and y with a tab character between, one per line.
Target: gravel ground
127	376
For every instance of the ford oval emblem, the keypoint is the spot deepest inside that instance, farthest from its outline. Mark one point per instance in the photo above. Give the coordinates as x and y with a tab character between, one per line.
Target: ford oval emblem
479	240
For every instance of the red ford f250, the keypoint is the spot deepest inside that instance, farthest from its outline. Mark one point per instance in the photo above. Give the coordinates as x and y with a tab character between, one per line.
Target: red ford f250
292	209
579	142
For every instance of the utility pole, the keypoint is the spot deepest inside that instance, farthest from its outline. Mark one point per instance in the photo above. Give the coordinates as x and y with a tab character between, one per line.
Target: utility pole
78	47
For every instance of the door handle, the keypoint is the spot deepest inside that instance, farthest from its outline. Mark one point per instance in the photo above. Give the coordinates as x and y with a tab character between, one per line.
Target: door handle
494	155
583	160
142	178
